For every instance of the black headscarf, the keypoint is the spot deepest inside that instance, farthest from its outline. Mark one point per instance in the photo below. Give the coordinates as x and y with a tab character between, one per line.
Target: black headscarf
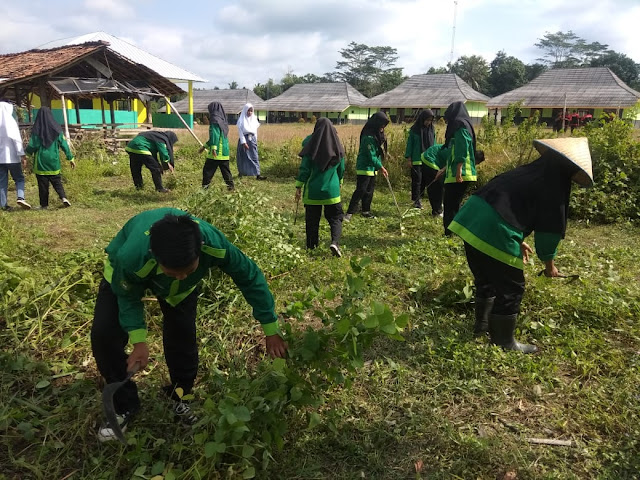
218	117
534	196
324	146
45	127
372	128
167	137
457	117
427	134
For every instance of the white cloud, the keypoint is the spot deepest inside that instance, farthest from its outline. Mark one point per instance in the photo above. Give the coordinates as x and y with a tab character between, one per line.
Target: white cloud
116	9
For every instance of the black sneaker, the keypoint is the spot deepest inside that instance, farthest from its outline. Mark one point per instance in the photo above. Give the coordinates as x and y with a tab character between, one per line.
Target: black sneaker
163	190
106	433
368	215
260	177
335	250
182	412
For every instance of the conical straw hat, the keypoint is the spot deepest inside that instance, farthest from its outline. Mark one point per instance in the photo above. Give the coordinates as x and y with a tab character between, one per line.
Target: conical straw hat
574	149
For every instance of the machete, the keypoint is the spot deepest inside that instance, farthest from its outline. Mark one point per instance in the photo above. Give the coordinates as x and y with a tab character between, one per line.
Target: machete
108	407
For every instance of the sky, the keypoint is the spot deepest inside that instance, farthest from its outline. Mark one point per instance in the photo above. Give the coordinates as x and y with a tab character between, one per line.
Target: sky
250	41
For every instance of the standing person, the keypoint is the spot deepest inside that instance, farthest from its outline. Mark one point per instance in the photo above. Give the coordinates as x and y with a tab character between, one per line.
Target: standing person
321	173
422	135
247	153
460	171
168	252
373	145
145	149
217	147
12	157
433	160
46	141
495	221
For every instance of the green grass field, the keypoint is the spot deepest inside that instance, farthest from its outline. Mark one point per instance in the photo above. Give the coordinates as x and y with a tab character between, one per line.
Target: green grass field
438	405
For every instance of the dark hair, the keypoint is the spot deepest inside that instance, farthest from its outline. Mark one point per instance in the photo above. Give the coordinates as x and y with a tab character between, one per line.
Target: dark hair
175	240
479	156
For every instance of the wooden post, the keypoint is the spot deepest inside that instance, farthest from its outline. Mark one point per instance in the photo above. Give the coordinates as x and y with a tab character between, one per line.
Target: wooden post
564	111
104	121
191	101
113	115
149	115
168	106
64	116
77	107
29	107
42	91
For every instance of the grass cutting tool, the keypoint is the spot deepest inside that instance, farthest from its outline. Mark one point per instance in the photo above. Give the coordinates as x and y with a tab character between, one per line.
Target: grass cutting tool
108	407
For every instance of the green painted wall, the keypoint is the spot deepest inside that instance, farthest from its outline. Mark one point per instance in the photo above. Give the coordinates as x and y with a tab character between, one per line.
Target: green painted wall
93	116
162	120
476	109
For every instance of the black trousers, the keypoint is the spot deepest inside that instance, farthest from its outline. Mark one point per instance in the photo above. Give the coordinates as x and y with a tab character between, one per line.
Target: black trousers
136	161
496	279
209	170
108	341
435	190
43	188
453	195
365	185
333	214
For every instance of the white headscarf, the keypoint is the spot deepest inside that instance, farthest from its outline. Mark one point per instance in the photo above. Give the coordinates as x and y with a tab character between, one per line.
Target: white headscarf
247	124
11	147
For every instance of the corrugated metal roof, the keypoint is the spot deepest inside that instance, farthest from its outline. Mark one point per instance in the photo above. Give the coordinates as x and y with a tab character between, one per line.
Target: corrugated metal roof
135	54
317	97
232	101
429	90
596	87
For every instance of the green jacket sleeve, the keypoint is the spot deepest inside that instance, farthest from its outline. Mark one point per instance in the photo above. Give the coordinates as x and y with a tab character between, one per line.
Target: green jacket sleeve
304	171
163	153
129	290
251	282
414	145
65	147
340	170
34	144
214	137
372	153
462	142
546	245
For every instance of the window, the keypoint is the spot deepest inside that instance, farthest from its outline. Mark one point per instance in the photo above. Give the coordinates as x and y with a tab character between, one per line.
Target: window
85	103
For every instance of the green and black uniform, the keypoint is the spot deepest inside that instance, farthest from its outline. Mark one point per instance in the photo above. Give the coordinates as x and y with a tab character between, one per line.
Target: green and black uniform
131	270
460	140
153	150
433	159
369	161
217	147
321	181
420	138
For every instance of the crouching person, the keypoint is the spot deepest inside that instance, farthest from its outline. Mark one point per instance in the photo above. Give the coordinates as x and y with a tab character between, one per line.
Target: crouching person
495	221
168	252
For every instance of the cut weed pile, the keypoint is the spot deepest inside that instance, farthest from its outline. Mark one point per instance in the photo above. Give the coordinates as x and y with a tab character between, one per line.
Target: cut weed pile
384	378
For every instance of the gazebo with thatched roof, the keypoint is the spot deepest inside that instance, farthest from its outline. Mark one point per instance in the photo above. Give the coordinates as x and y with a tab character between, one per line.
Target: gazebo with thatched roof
434	91
339	102
586	91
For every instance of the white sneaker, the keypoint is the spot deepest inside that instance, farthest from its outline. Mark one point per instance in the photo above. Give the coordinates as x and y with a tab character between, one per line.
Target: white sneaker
66	203
106	433
183	413
335	250
23	204
346	217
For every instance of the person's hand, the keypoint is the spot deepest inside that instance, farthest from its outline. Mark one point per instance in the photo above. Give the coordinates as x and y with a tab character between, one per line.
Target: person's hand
139	354
439	174
171	167
384	172
525	250
409	163
459	174
202	149
73	164
276	346
246	146
298	194
550	269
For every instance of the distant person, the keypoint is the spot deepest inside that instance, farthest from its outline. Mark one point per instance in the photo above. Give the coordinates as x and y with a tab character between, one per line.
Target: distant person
217	147
575	121
557	122
154	150
495	221
320	174
247	153
460	171
373	146
46	142
168	252
12	157
422	135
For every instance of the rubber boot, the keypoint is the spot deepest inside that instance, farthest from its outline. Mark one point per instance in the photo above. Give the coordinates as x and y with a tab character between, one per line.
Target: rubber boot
483	309
501	329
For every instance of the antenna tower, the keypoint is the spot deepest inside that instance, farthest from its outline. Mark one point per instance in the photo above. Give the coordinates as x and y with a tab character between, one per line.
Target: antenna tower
453	33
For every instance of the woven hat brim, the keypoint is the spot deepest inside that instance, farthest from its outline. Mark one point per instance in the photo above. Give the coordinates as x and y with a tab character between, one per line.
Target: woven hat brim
576	150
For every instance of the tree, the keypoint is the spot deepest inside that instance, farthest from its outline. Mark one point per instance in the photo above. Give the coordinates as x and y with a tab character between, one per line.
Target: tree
534	70
566	49
233	85
267	90
368	68
438	70
473	70
623	66
507	73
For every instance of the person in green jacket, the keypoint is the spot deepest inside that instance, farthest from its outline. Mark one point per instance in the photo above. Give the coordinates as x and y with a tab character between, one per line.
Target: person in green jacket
154	150
422	135
217	147
433	160
495	221
460	171
168	252
373	145
45	143
321	173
